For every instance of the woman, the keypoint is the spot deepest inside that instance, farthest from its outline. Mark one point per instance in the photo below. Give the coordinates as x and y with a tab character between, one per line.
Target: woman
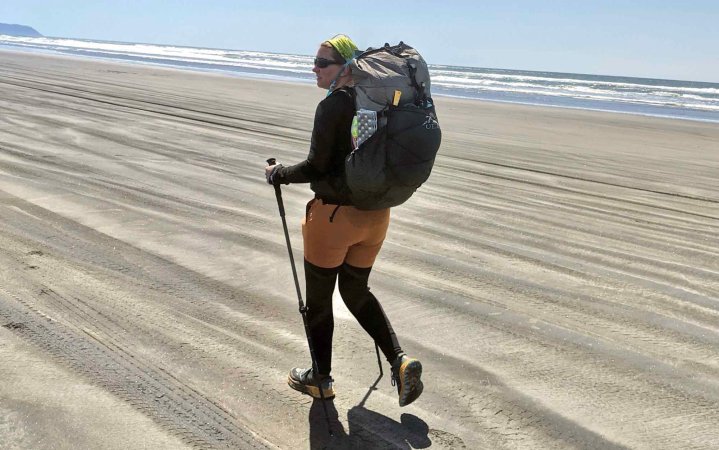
340	241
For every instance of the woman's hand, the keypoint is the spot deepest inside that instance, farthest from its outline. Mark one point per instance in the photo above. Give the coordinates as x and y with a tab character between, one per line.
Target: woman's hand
270	172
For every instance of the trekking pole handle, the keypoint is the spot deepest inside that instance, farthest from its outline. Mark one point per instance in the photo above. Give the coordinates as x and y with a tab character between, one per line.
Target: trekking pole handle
278	192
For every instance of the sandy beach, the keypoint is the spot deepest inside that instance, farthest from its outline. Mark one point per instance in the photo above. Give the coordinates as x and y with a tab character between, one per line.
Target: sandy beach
558	275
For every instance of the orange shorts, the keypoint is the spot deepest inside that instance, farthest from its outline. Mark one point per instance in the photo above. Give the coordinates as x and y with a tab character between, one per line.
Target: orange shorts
352	236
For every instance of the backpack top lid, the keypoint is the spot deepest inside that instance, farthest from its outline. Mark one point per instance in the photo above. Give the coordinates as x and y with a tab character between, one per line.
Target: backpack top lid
378	73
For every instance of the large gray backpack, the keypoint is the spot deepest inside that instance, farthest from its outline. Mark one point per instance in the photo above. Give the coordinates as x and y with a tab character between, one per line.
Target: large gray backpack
395	130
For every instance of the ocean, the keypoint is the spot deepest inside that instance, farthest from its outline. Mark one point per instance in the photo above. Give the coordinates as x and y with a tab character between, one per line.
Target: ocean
654	97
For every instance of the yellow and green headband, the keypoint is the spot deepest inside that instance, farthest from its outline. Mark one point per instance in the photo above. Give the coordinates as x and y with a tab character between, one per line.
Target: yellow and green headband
343	45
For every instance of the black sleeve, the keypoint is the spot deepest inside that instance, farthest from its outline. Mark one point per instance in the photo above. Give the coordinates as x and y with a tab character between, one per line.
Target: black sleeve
328	120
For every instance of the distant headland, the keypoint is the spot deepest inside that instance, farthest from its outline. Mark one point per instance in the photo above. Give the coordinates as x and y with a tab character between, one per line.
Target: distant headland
18	30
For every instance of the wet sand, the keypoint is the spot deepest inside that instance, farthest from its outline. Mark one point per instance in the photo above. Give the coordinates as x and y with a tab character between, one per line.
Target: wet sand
558	275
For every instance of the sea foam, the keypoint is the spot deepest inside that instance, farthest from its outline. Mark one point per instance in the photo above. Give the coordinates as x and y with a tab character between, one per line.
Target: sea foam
665	98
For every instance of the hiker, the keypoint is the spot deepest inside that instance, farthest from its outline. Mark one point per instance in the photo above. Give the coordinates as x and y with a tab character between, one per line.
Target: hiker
341	242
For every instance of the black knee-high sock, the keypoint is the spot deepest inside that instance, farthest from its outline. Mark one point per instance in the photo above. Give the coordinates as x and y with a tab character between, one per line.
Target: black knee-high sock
367	310
319	286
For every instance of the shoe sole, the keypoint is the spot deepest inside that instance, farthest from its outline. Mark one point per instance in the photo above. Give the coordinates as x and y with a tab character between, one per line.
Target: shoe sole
312	391
411	385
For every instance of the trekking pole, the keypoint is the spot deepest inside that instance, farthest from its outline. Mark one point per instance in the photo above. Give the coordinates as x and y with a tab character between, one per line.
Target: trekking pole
303	308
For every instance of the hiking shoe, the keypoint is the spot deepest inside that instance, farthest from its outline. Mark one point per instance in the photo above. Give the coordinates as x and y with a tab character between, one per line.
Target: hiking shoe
303	380
406	373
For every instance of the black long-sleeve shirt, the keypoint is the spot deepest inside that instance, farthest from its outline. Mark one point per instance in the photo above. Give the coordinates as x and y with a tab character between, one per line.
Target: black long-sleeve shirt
330	145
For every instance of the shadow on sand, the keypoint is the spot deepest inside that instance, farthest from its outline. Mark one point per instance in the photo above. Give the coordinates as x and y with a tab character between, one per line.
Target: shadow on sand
367	429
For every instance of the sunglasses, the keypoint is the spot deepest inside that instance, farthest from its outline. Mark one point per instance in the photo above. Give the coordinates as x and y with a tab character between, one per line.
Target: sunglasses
322	62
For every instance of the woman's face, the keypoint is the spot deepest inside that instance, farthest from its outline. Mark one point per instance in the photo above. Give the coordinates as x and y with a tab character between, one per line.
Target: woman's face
327	74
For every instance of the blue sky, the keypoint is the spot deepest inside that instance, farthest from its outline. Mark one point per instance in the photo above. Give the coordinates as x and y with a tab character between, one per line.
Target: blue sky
659	39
